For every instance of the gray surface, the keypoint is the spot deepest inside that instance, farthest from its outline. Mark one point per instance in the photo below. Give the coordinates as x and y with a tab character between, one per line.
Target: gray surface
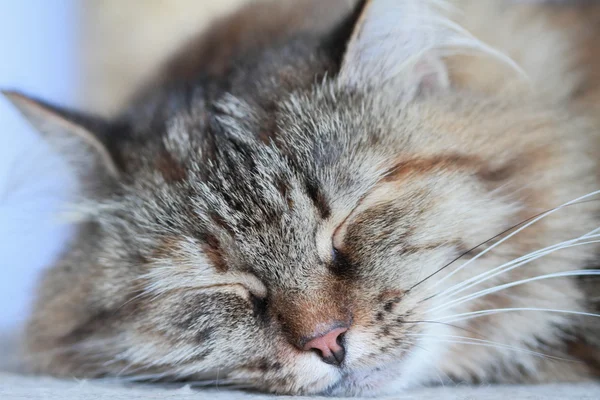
16	386
21	387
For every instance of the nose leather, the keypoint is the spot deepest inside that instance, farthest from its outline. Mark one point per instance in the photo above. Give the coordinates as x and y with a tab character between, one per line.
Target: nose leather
329	345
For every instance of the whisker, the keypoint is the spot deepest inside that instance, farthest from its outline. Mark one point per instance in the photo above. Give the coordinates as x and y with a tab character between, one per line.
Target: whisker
469	251
481	293
443	323
487	343
539	215
509	266
481	313
528	224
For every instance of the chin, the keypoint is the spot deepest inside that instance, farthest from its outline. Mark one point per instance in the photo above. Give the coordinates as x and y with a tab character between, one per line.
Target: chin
383	380
373	383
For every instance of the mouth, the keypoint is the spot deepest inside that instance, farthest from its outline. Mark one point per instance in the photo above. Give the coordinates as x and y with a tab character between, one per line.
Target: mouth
357	383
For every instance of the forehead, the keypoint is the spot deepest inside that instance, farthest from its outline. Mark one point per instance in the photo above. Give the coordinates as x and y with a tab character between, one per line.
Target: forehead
210	174
242	190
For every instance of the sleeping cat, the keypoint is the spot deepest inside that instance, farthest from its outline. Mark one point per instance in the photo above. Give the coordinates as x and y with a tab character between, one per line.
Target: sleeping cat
339	198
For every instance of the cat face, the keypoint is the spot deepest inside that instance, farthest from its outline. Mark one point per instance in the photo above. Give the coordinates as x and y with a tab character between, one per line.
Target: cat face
232	262
311	258
228	265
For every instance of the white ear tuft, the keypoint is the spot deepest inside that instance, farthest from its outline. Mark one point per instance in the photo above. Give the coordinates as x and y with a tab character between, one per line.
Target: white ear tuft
404	42
393	38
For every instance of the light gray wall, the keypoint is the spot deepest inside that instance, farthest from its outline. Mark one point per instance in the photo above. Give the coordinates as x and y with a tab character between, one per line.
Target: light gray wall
37	53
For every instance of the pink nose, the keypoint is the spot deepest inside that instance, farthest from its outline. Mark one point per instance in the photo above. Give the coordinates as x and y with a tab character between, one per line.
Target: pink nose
330	346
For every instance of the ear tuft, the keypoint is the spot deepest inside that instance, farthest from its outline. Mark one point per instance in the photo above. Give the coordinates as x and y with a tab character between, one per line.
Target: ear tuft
397	40
401	45
62	127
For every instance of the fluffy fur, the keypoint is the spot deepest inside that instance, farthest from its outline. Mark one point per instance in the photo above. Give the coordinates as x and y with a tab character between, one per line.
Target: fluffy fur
331	173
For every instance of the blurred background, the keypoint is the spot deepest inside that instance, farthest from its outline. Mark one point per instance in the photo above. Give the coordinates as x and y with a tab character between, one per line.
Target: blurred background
89	54
38	43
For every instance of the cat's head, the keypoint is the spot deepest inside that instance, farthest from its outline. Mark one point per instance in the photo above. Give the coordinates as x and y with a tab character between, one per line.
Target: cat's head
303	259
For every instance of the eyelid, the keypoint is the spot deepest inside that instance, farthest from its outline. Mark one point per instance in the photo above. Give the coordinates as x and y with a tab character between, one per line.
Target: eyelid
330	235
339	232
333	231
239	289
248	282
337	239
252	284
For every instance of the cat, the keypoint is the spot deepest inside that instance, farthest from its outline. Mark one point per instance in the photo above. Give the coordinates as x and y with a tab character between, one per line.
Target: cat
339	198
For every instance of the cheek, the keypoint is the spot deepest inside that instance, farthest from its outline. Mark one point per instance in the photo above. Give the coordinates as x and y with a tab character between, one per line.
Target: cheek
201	335
377	345
215	322
468	212
378	331
384	269
361	344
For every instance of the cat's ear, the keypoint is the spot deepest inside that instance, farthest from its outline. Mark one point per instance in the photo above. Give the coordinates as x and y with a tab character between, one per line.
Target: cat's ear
397	42
81	138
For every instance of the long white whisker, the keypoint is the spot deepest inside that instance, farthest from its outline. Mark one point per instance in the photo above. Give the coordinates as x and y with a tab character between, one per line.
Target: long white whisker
589	235
533	221
481	342
481	293
476	280
481	313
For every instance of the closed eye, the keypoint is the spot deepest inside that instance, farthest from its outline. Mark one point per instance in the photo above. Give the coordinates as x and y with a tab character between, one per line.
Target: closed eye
338	235
340	263
259	306
334	253
245	281
259	303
